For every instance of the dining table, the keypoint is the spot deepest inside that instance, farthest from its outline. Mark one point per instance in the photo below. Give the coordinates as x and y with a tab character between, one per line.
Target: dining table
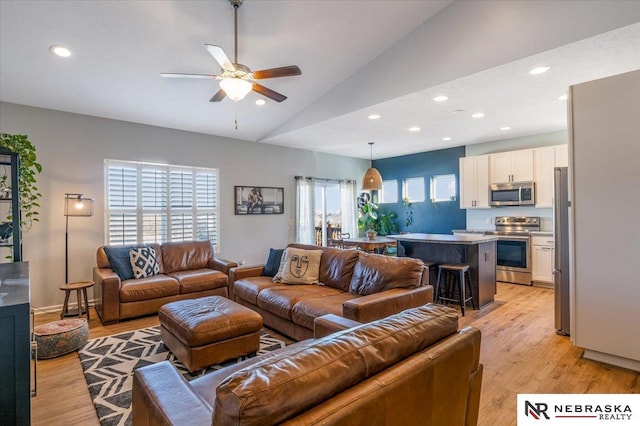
376	245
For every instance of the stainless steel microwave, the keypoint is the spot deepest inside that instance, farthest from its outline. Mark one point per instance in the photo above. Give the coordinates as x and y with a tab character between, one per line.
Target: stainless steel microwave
513	194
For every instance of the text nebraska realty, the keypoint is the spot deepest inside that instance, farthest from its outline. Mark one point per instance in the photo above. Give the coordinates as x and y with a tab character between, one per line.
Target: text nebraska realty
601	412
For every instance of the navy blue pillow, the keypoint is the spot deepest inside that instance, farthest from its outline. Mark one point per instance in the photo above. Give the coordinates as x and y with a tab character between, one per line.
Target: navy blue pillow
120	261
273	262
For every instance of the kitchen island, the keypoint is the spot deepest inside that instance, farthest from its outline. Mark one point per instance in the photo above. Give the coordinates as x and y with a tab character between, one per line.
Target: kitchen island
478	251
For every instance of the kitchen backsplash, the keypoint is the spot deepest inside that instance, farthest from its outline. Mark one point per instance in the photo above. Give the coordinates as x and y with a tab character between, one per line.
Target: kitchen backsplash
484	218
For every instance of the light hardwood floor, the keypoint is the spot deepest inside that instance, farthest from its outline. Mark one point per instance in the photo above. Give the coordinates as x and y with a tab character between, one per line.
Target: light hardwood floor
520	351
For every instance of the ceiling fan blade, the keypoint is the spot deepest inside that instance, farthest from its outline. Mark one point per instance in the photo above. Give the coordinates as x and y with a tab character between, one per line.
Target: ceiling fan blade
271	94
277	72
218	54
220	95
181	75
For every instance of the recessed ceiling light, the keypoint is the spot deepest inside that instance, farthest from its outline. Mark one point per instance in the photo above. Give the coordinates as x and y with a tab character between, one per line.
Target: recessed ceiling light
478	115
504	128
563	97
61	51
446	139
539	70
414	129
440	98
374	116
260	102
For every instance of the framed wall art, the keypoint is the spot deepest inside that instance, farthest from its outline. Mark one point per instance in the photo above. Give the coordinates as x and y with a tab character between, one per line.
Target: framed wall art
258	200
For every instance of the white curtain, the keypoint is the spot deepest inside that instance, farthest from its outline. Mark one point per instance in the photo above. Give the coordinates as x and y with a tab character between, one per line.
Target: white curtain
305	210
348	207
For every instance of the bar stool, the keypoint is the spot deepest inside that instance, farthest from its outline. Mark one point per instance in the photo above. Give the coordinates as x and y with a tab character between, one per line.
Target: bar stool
450	275
431	266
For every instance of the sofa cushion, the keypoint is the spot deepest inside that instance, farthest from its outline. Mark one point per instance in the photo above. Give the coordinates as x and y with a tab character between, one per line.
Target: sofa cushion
199	280
305	311
144	262
281	300
374	273
148	288
299	266
272	265
120	261
336	267
249	288
186	255
304	376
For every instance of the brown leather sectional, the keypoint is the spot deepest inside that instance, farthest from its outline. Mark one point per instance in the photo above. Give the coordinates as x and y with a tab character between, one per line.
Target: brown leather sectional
414	367
188	270
355	285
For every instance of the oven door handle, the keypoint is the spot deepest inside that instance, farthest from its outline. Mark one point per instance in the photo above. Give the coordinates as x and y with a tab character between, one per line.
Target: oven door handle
517	238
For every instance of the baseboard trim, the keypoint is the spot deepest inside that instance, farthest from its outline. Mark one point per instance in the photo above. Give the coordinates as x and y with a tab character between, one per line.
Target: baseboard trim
618	361
39	310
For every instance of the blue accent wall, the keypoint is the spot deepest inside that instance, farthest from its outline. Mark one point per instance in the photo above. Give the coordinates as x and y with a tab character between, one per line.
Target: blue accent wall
435	218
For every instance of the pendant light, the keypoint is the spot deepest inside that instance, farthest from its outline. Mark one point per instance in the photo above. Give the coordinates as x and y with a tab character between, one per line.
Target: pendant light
372	178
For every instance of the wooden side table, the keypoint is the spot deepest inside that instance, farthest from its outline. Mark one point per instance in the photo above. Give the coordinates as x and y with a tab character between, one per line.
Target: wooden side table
81	290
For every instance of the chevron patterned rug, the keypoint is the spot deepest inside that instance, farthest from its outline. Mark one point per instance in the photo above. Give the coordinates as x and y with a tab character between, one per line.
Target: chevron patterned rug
108	364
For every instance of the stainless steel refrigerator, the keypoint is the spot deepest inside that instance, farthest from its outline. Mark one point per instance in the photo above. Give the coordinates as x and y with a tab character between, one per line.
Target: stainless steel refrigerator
561	268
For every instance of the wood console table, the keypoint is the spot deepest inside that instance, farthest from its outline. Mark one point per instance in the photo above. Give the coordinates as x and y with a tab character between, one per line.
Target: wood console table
369	245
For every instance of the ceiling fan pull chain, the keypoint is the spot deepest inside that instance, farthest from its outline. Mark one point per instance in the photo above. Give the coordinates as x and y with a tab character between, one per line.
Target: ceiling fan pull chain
236	120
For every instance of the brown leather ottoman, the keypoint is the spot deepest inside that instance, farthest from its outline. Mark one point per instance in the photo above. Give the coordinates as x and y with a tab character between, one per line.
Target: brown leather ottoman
206	331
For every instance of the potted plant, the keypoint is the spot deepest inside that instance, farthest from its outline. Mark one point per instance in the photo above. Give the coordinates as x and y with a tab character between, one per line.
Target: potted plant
27	171
374	223
408	212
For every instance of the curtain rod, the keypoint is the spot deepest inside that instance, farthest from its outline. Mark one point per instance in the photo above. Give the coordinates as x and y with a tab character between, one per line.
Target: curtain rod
324	179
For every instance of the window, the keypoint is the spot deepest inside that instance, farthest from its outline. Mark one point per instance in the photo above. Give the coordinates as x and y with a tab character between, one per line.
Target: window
155	203
389	191
328	217
413	189
443	188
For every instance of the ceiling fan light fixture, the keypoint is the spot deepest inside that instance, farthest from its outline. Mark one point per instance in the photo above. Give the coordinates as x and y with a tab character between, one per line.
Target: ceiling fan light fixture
236	88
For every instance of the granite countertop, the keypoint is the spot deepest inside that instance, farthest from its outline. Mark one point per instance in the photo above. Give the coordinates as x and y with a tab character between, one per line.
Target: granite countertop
444	239
473	231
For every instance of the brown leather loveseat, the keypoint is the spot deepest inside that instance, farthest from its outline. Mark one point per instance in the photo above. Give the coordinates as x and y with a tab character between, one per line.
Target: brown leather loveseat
355	285
188	270
414	367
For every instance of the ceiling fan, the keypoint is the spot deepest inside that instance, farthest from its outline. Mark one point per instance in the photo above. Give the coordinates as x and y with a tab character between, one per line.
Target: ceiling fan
237	80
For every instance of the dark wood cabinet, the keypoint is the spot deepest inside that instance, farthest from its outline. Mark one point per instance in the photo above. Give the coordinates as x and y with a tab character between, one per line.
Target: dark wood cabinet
15	344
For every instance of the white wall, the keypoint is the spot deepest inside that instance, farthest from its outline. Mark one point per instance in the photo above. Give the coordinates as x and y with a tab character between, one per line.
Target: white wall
72	149
605	152
483	218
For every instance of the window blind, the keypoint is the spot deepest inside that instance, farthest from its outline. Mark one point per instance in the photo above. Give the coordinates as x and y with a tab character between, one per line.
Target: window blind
153	203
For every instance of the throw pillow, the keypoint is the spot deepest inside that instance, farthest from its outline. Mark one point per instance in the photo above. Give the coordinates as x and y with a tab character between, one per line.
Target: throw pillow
273	262
299	266
120	261
144	262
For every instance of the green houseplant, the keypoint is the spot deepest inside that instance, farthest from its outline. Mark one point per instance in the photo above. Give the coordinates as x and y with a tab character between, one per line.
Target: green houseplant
370	220
27	172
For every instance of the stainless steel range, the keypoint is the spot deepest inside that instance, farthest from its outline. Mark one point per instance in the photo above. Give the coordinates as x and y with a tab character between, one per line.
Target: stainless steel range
513	262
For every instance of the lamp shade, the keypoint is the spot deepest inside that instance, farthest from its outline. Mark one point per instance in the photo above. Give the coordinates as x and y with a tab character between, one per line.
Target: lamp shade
236	88
372	180
77	205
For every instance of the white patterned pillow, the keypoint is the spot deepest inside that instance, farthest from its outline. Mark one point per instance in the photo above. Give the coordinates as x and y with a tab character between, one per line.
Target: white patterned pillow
144	262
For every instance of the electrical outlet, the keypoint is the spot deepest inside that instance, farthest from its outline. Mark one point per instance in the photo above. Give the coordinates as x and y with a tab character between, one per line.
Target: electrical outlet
241	263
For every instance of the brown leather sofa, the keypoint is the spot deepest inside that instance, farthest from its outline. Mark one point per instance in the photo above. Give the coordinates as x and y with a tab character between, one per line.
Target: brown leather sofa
188	270
414	367
355	285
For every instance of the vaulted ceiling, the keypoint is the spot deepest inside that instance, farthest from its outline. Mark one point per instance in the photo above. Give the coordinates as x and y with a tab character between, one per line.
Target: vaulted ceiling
358	58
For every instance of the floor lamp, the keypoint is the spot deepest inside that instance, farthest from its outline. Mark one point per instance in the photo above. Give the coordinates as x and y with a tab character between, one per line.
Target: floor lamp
75	205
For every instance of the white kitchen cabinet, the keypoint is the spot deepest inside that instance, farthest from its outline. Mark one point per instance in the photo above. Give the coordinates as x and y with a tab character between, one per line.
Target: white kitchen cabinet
542	259
511	166
474	182
545	160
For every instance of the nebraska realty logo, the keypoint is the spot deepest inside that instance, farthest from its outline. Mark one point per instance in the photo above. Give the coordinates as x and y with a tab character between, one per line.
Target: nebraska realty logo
578	409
